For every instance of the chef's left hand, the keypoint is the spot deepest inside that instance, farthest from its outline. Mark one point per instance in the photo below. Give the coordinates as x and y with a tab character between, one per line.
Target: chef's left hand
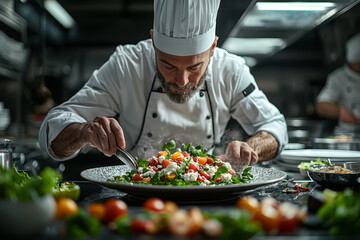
240	153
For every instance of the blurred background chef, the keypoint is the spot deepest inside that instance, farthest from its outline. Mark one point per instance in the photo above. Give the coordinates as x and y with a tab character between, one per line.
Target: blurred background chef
340	98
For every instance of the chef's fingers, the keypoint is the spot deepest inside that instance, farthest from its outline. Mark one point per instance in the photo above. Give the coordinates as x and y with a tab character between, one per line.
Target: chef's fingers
106	124
245	153
119	134
254	158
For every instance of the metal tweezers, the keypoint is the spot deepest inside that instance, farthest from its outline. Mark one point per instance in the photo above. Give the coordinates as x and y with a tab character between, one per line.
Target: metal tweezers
126	158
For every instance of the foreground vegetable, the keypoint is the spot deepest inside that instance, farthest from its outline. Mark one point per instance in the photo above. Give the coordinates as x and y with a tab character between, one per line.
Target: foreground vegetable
187	165
341	212
272	215
17	185
67	190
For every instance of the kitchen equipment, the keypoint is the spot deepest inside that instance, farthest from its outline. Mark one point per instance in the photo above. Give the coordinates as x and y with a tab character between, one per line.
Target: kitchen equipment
184	194
336	156
330	143
126	158
5	152
335	180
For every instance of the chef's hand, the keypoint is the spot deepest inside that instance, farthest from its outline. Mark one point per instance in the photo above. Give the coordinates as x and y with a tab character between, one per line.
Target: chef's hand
105	134
347	116
240	153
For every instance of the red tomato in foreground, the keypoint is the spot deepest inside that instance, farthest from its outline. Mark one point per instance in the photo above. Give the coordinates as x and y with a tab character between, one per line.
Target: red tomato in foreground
115	208
154	204
143	225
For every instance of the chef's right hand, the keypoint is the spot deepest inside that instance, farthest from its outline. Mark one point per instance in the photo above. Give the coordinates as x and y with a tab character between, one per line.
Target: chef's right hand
347	116
105	134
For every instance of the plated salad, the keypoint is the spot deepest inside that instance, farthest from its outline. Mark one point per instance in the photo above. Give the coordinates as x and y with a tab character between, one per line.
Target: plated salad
187	165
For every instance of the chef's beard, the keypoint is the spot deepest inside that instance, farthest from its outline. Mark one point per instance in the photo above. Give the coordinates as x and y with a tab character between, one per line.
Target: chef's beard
181	96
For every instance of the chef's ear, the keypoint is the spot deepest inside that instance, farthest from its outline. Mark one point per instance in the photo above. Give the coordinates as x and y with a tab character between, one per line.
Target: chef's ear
213	46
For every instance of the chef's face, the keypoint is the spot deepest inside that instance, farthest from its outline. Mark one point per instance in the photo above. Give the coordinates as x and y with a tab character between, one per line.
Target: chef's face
182	76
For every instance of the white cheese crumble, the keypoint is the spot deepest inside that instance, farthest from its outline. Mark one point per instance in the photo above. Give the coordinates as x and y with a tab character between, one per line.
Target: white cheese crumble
171	168
191	177
212	170
161	158
149	173
226	177
227	165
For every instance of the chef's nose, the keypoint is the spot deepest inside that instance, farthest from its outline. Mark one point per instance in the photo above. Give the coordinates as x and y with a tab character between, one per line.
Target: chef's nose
182	78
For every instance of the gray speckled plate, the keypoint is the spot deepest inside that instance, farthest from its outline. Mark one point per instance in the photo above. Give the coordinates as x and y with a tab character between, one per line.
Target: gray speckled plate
262	176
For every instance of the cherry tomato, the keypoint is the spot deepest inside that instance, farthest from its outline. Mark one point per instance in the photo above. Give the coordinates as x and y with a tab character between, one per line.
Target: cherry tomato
153	162
185	154
137	177
218	179
210	161
154	204
97	210
193	166
269	218
249	203
219	164
65	207
162	153
165	163
205	174
287	224
171	176
177	156
115	208
201	178
147	179
202	160
143	226
232	172
170	207
190	170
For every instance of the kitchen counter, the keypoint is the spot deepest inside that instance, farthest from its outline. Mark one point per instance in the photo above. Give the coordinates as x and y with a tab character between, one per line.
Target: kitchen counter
91	192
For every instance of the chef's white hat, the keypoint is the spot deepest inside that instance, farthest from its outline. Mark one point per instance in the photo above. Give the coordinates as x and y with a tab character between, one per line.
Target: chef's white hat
184	27
353	49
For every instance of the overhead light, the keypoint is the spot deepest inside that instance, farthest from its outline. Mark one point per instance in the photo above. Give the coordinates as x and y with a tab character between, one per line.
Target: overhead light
59	13
253	46
294	6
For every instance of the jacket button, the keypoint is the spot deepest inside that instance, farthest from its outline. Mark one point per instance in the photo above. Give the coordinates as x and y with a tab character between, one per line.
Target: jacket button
160	89
208	136
208	117
154	115
201	94
149	134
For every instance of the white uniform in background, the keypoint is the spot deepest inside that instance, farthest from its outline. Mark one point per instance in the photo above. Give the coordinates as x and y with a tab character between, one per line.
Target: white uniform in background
126	87
343	88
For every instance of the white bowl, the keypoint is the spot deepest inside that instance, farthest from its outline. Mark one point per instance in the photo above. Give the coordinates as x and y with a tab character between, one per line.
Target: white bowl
26	218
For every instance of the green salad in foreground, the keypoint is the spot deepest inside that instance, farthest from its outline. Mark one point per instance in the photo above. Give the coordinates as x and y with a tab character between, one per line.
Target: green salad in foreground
188	165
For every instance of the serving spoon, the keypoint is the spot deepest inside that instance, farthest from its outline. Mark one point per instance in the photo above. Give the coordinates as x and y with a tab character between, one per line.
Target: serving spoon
126	158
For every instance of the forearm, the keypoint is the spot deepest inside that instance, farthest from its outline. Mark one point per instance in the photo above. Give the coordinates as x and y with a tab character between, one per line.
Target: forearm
264	144
69	141
327	109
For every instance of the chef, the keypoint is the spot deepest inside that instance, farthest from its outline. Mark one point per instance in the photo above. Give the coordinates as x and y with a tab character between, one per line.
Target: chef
177	85
340	98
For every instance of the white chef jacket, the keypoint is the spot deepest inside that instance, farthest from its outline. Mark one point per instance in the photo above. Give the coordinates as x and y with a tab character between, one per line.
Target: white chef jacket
343	88
122	85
